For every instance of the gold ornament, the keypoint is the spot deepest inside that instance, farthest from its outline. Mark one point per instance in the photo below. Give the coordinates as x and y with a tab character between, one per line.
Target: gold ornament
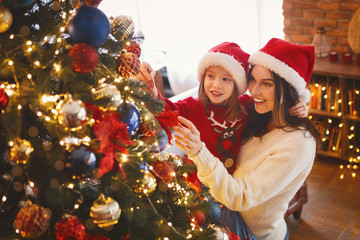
122	27
6	19
105	211
32	220
71	114
146	185
108	91
20	152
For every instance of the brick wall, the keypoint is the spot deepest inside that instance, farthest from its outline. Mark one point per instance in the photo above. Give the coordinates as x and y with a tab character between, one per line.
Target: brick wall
302	17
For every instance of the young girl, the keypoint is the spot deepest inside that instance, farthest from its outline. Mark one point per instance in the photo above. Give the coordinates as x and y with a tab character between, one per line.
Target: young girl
220	112
278	152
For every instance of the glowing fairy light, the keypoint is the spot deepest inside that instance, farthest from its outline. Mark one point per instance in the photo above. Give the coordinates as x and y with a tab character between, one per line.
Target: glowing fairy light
37	63
19	107
12	36
10	63
4	198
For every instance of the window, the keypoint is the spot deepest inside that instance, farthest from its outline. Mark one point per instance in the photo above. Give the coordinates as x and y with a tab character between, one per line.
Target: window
184	30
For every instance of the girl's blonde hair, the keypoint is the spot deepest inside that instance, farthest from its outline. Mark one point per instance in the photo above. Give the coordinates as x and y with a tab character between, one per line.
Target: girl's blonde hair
234	108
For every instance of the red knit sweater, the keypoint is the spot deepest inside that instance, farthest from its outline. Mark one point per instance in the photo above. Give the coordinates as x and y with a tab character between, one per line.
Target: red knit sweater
223	139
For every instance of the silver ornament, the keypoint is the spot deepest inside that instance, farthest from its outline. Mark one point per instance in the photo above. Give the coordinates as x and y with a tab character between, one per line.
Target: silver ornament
108	91
71	114
220	233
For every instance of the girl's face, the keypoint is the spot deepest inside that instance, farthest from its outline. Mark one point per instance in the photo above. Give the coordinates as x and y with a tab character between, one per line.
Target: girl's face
262	88
218	85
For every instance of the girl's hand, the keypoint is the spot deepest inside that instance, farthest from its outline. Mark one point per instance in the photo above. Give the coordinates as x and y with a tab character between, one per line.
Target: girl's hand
299	110
189	140
147	75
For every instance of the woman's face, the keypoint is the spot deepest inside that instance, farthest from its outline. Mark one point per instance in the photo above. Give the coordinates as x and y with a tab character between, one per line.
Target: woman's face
262	88
218	85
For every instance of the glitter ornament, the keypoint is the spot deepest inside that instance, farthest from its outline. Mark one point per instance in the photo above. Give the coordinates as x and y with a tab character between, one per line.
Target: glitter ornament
133	47
199	218
89	25
128	65
20	152
146	184
139	37
4	98
220	233
105	211
71	114
163	170
110	92
122	27
32	220
129	115
85	58
6	19
82	162
70	227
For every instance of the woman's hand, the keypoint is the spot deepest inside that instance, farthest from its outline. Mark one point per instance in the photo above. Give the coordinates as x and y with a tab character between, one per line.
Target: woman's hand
189	141
299	110
147	75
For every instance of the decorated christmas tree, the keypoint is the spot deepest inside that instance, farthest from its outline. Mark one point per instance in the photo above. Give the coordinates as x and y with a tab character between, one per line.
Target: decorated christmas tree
81	140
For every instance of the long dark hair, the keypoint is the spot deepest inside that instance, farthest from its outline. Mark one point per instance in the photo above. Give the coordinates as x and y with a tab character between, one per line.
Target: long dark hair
285	97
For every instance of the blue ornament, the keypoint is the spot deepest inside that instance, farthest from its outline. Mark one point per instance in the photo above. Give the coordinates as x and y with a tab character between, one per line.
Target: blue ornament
82	161
144	167
162	140
130	115
89	25
214	212
23	3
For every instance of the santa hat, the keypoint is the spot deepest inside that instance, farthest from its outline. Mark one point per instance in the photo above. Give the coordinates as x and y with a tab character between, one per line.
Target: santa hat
290	61
231	57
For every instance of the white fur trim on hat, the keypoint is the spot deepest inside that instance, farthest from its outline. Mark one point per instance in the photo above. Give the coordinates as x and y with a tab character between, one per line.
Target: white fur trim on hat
229	63
283	70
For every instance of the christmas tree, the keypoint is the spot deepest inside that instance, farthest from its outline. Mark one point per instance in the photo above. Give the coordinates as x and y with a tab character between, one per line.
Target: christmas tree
81	140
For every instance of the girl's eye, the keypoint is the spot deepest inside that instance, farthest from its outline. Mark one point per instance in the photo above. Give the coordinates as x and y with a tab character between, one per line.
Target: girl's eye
226	79
210	75
267	84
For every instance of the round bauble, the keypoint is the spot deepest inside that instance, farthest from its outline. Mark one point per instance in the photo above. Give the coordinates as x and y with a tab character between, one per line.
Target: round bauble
4	98
70	227
32	221
198	218
128	65
146	184
89	25
20	152
129	115
6	19
214	212
220	233
122	27
163	170
71	114
133	47
84	58
105	211
82	162
111	93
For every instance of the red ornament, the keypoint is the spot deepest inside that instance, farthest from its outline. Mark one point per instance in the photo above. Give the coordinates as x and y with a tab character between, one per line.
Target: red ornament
128	65
70	228
163	170
85	57
93	3
133	47
32	221
198	217
4	99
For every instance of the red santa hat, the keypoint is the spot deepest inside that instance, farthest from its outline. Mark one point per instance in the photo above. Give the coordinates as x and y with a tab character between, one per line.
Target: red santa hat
231	57
290	61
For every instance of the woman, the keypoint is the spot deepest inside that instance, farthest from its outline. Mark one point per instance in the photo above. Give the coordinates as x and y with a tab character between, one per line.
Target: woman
278	150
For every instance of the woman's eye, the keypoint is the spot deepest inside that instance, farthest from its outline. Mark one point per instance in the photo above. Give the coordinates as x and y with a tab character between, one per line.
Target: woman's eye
226	79
267	84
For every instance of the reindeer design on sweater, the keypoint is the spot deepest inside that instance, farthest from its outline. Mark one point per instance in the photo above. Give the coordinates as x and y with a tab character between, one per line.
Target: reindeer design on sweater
226	140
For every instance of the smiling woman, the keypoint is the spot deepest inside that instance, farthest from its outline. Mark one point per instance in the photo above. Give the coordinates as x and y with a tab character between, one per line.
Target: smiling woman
177	33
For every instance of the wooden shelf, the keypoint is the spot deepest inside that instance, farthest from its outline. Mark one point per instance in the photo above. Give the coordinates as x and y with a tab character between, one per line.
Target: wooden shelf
346	78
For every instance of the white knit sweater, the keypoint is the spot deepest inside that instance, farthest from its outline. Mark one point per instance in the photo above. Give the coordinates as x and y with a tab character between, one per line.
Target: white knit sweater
269	172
